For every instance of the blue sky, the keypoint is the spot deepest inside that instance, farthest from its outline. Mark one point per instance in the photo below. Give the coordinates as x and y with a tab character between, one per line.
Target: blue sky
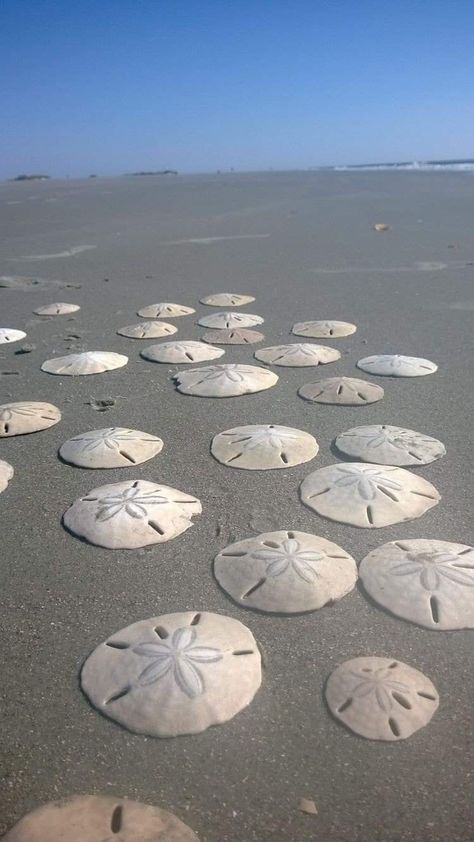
113	86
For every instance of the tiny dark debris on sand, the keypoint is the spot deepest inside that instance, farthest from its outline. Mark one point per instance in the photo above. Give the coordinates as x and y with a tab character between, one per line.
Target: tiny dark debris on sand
101	404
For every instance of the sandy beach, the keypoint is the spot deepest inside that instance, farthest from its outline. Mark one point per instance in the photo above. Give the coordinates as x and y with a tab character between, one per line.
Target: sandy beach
303	244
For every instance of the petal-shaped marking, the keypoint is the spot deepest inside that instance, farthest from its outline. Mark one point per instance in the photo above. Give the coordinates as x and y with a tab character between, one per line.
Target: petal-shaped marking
106	512
268	555
347	480
456	575
304	570
157	669
363	689
183	637
407	568
366	489
152	650
309	555
291	545
276	568
204	654
383	698
377	440
134	510
429	578
188	678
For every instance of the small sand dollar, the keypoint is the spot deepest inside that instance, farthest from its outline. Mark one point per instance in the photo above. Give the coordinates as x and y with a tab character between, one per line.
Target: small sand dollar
165	310
427	582
260	447
8	334
147	330
390	445
396	365
22	417
298	354
98	818
319	329
184	351
88	362
113	447
227	299
233	336
6	473
174	674
228	321
367	496
224	381
285	572
381	699
58	308
126	515
347	391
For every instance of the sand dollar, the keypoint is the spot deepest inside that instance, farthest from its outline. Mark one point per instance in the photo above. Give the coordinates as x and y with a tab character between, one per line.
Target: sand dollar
88	362
98	818
380	698
22	417
184	351
227	299
367	496
224	381
319	329
233	336
424	581
297	354
389	445
174	674
147	330
347	391
227	321
396	365
263	446
6	473
165	310
8	334
58	308
285	572
135	513
113	447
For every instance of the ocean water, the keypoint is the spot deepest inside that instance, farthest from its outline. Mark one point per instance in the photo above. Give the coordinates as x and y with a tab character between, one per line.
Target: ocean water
461	165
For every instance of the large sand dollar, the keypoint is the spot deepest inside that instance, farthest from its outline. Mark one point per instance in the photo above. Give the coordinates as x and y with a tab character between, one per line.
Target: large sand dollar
233	336
424	581
227	321
227	299
22	417
396	365
224	381
380	698
346	391
285	572
389	445
126	515
367	496
112	447
297	354
9	334
184	351
98	818
147	330
58	308
263	446
6	473
174	674
88	362
165	310
319	329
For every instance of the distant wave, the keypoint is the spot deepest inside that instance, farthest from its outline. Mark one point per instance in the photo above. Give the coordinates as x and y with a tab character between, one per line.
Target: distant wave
459	165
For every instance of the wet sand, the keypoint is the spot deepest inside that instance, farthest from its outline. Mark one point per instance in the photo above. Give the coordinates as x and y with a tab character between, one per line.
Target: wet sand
302	243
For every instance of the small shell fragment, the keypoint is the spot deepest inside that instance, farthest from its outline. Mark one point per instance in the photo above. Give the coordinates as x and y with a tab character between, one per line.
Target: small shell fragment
6	473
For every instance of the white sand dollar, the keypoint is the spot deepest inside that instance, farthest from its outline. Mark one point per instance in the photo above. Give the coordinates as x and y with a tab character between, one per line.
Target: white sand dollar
184	351
58	308
112	447
22	417
367	496
227	321
224	381
147	330
8	334
260	447
98	818
174	674
233	336
227	299
346	391
285	572
396	365
126	515
87	362
380	698
427	582
6	473
297	354
165	310
318	329
389	445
